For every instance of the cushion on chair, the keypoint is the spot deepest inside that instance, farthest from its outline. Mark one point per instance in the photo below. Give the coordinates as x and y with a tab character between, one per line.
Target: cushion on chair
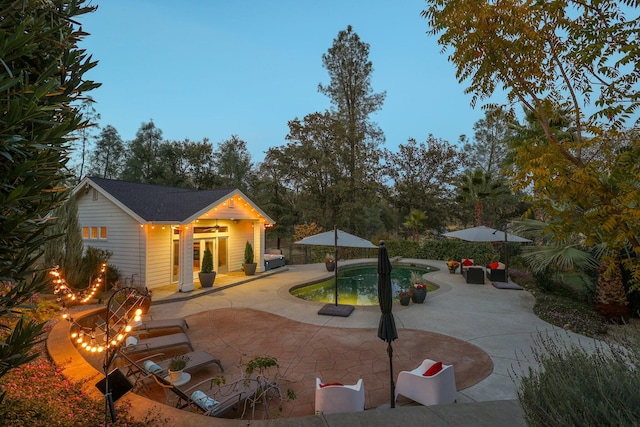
494	265
467	262
331	384
203	400
501	266
434	369
151	367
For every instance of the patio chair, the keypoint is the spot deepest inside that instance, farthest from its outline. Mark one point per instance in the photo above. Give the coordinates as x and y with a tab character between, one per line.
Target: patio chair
135	345
209	398
140	371
149	324
474	274
439	388
332	398
496	272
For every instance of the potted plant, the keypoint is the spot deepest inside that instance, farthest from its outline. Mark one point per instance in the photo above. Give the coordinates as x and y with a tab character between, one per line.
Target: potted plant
206	274
176	365
249	266
404	297
419	293
452	265
329	263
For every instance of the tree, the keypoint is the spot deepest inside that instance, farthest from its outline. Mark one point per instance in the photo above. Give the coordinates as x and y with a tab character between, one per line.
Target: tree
575	56
144	164
422	176
353	101
479	188
84	134
233	164
66	247
42	85
415	221
108	156
490	148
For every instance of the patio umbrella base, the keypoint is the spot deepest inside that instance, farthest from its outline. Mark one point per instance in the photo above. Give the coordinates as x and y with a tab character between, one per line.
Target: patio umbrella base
340	310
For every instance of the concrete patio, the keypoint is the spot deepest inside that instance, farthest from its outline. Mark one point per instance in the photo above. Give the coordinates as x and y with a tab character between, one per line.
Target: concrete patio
485	332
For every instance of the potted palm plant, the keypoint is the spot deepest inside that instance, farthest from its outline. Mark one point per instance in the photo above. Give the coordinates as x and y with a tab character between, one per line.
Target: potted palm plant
249	266
206	274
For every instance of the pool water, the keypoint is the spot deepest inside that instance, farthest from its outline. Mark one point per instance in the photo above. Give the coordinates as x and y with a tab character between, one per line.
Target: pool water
359	285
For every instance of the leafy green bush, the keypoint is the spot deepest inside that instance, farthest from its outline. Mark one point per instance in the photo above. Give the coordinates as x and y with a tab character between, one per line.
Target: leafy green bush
481	253
578	387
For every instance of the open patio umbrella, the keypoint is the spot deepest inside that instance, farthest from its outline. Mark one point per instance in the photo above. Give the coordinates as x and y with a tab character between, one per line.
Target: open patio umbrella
387	326
336	238
487	234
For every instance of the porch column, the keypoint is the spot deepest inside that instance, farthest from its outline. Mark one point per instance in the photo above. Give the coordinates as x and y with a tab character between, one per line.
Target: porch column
258	238
185	262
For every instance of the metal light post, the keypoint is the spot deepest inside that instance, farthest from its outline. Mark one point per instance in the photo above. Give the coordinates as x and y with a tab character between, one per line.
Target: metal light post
128	309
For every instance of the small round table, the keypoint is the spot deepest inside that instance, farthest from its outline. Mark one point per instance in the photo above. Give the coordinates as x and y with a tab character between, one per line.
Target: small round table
184	378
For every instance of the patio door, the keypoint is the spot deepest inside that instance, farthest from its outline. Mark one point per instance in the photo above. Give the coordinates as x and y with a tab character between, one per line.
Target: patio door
222	257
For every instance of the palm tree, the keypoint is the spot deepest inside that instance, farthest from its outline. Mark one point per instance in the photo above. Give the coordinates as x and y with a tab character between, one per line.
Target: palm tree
478	187
415	220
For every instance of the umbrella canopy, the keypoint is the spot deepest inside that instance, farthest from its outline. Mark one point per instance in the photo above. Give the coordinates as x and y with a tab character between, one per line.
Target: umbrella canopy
387	327
337	238
485	234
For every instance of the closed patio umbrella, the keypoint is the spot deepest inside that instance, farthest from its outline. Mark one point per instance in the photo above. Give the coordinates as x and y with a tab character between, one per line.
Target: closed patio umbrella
387	327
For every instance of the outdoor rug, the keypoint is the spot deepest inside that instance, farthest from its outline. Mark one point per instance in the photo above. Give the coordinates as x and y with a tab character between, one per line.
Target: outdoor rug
504	285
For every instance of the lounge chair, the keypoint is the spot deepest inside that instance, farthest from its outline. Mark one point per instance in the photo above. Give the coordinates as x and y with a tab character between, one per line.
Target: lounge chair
208	398
439	388
135	345
172	323
334	398
140	371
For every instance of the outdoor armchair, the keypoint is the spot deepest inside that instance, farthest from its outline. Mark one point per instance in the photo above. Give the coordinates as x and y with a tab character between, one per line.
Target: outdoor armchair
334	398
436	389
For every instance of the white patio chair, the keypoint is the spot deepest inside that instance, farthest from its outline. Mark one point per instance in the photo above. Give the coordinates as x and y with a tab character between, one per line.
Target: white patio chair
336	398
437	389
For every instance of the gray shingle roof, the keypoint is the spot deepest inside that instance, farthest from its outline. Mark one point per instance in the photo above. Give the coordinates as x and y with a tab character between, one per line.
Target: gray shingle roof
160	203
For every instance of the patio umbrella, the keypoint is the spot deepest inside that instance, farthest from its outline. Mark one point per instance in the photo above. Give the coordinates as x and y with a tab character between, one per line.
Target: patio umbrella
487	234
336	238
387	326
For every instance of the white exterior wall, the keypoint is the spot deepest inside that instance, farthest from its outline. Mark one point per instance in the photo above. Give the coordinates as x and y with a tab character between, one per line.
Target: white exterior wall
125	238
240	234
158	265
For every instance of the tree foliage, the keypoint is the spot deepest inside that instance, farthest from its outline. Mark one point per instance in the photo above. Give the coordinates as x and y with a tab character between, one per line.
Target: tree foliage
576	58
42	84
106	159
353	101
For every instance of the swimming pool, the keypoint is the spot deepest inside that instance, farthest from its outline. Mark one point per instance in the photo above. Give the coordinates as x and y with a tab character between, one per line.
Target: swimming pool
358	285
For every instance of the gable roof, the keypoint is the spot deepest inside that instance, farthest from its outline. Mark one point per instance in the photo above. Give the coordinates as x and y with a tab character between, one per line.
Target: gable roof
158	203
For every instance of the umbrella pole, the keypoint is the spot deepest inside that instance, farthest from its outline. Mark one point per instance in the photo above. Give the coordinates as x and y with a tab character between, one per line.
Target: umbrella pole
393	386
335	257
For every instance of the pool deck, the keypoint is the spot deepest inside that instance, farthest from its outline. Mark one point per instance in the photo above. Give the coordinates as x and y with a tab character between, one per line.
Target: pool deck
500	322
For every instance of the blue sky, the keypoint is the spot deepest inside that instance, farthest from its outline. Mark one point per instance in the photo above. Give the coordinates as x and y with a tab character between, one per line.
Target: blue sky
219	68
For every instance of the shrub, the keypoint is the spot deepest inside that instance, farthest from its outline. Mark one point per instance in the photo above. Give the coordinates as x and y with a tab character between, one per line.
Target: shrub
578	387
248	253
207	261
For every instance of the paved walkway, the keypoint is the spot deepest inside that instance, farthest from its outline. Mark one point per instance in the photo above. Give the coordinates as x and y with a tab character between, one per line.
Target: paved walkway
500	322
